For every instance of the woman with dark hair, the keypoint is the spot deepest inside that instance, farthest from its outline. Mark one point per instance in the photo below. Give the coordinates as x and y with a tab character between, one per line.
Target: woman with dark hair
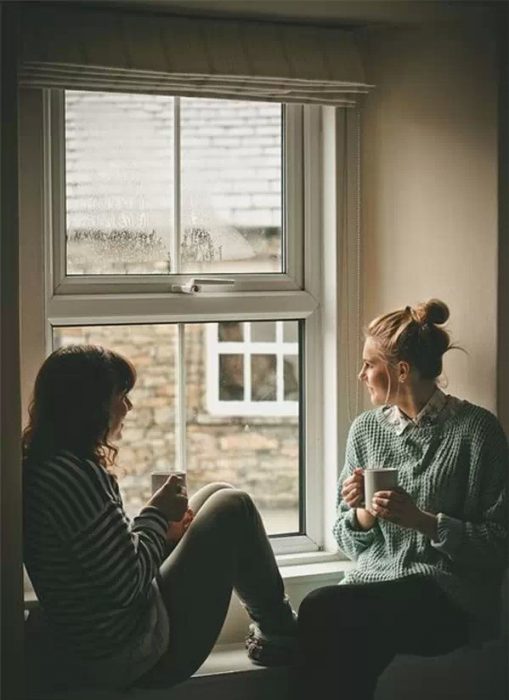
430	553
141	601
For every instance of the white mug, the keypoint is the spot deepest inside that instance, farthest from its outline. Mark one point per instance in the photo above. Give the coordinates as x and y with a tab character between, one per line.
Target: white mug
160	478
378	480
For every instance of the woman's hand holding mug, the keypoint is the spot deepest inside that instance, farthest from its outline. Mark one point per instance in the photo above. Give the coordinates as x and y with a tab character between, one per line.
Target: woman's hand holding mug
177	530
399	507
171	498
352	491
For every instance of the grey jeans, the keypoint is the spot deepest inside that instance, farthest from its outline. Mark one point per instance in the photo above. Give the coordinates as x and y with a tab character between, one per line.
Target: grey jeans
225	548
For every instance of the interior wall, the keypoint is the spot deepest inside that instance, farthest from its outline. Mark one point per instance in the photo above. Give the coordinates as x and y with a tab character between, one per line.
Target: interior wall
429	173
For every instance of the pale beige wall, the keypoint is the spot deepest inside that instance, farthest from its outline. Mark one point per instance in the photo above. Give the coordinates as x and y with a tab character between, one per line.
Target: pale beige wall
430	187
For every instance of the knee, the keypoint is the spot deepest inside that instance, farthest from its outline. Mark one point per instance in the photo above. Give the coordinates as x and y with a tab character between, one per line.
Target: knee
234	504
233	498
316	610
215	486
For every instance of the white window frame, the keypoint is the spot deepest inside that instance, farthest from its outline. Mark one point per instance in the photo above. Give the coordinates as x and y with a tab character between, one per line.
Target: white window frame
62	284
308	291
246	348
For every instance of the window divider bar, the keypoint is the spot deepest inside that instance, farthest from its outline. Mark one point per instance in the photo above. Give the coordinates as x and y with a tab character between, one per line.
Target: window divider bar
55	180
180	408
247	362
177	189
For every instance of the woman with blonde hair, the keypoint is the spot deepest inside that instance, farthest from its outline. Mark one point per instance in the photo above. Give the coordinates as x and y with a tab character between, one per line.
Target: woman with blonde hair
131	601
430	553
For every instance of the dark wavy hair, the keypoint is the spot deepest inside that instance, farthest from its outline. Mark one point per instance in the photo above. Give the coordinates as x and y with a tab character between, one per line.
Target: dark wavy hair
71	403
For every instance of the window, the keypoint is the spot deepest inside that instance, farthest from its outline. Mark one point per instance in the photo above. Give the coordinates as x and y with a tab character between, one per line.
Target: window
253	368
157	184
169	428
143	193
125	200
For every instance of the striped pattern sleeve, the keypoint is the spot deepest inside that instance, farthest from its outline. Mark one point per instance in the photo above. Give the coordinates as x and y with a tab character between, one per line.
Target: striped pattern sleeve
350	538
118	557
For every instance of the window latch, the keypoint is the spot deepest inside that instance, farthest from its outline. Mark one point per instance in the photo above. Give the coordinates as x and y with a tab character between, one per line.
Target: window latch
203	284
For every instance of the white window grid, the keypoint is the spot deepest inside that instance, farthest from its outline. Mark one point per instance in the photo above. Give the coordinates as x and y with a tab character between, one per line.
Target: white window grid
247	348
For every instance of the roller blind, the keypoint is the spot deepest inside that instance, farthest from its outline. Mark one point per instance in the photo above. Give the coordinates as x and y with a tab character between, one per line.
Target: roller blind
94	48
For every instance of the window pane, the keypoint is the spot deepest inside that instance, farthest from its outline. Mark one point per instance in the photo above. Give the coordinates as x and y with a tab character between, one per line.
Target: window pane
148	438
263	378
258	452
290	331
263	331
231	186
119	182
230	331
231	377
291	378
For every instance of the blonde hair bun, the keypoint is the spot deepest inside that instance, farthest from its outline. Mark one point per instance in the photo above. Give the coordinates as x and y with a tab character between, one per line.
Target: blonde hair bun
415	335
432	311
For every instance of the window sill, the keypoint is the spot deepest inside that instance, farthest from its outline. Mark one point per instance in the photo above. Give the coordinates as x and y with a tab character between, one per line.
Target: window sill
312	564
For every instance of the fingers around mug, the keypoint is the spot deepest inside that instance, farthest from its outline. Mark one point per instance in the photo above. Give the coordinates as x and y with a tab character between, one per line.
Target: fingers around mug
348	488
172	483
388	495
351	496
180	507
176	484
380	500
349	481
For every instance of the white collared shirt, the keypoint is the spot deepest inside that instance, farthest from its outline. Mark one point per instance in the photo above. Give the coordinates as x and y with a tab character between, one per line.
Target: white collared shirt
437	409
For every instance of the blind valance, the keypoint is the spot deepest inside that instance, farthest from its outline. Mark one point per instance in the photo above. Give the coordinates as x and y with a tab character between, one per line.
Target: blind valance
99	49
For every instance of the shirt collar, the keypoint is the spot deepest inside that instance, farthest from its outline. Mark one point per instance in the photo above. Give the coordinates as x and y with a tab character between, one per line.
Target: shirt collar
427	415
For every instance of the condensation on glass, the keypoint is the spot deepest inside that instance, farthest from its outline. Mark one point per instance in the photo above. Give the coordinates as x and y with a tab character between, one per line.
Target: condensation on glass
231	186
241	408
122	185
119	175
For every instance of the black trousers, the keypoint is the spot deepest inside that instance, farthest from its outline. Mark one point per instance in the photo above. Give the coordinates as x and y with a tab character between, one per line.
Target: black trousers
348	634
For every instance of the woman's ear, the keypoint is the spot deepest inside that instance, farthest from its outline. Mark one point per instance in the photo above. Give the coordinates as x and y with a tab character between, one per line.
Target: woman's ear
403	371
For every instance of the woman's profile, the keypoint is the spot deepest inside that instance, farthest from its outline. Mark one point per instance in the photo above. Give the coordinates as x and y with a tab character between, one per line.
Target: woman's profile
139	601
430	553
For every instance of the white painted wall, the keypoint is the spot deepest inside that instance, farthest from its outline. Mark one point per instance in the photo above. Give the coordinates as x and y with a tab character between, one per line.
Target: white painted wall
430	187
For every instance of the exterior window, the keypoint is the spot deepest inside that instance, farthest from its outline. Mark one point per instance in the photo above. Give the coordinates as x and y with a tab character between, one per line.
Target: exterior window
253	368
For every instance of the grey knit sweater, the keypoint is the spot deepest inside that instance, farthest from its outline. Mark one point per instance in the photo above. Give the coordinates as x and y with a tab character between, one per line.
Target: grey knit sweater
454	463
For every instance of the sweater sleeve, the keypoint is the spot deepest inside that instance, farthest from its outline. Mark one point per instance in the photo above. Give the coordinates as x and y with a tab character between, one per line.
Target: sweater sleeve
349	536
118	557
481	540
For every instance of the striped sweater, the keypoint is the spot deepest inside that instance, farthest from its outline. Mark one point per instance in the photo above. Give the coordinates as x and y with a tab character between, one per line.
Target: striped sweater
454	464
91	567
